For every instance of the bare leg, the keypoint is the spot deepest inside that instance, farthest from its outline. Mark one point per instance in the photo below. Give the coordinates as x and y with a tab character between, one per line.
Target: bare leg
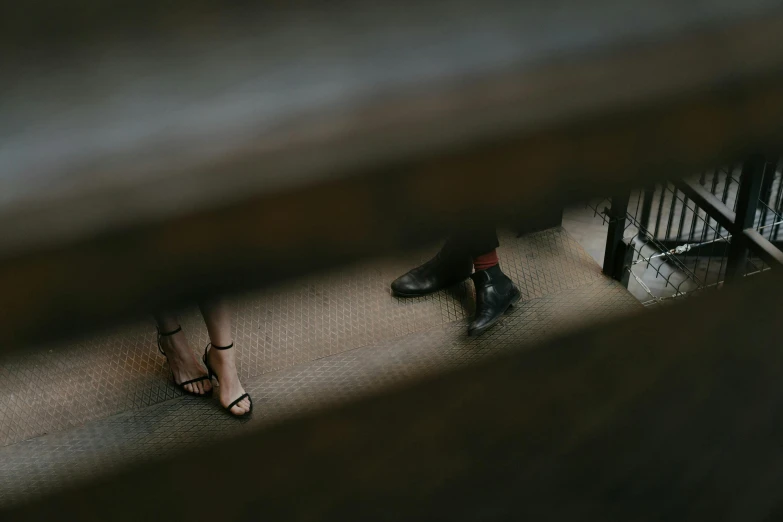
182	361
217	316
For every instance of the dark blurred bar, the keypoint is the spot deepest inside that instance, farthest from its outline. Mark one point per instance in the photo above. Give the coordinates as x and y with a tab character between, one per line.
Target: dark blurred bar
328	134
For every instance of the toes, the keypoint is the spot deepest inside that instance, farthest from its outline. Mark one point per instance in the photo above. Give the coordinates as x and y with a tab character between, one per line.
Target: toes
242	407
188	388
207	386
199	388
245	405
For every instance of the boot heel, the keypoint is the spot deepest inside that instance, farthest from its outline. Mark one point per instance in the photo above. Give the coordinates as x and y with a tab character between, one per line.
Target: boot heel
515	300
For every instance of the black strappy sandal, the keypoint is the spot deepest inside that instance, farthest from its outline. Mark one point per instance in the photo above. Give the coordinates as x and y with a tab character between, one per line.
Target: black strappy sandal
212	372
181	386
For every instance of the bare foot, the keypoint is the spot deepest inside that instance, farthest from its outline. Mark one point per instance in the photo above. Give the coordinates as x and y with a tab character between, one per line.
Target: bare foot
184	364
224	365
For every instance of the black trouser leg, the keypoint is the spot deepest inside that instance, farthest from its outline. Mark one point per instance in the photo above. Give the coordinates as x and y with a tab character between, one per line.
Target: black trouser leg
471	242
452	265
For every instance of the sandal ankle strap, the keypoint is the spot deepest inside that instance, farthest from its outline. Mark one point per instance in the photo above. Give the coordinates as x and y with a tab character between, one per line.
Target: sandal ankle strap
166	334
216	347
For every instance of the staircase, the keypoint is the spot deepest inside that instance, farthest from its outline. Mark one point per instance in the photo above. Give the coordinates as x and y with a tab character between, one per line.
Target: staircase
90	407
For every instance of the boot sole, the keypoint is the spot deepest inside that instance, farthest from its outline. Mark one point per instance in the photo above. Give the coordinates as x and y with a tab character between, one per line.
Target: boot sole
511	304
425	294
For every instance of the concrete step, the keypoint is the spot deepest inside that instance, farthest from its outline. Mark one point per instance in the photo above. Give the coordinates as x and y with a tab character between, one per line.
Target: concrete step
61	387
305	346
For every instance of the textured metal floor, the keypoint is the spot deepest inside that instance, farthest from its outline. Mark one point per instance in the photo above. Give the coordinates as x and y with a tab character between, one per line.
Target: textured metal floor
85	408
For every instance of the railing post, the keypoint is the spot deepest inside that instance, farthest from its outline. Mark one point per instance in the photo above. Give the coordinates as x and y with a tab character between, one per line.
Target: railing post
766	192
747	202
647	199
614	254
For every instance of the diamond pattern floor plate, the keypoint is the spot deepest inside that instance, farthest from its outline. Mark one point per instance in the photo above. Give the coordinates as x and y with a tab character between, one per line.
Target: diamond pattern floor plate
107	374
38	465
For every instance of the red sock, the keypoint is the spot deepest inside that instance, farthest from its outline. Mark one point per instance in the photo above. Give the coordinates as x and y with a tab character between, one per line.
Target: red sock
485	261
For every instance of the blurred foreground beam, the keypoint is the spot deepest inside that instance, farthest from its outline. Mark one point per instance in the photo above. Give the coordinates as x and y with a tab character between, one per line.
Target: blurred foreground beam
153	169
671	415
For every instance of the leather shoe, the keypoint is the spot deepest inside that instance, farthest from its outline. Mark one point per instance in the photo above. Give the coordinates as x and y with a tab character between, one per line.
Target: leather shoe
495	294
436	274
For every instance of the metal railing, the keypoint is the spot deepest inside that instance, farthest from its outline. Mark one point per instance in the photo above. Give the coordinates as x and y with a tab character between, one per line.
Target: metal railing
692	235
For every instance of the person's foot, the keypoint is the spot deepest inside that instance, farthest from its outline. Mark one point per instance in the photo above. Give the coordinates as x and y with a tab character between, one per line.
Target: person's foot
184	364
436	274
495	294
229	388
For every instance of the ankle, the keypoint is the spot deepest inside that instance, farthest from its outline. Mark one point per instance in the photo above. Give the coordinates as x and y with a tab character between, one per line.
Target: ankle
222	354
172	342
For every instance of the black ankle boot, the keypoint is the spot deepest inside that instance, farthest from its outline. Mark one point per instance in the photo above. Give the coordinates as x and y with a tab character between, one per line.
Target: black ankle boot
495	294
442	271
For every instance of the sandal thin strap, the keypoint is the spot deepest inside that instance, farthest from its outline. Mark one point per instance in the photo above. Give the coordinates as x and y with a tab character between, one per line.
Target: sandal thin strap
216	347
191	381
166	334
178	329
244	395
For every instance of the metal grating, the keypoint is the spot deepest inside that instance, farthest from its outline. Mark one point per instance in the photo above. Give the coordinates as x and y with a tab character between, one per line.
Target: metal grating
36	466
679	249
106	374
